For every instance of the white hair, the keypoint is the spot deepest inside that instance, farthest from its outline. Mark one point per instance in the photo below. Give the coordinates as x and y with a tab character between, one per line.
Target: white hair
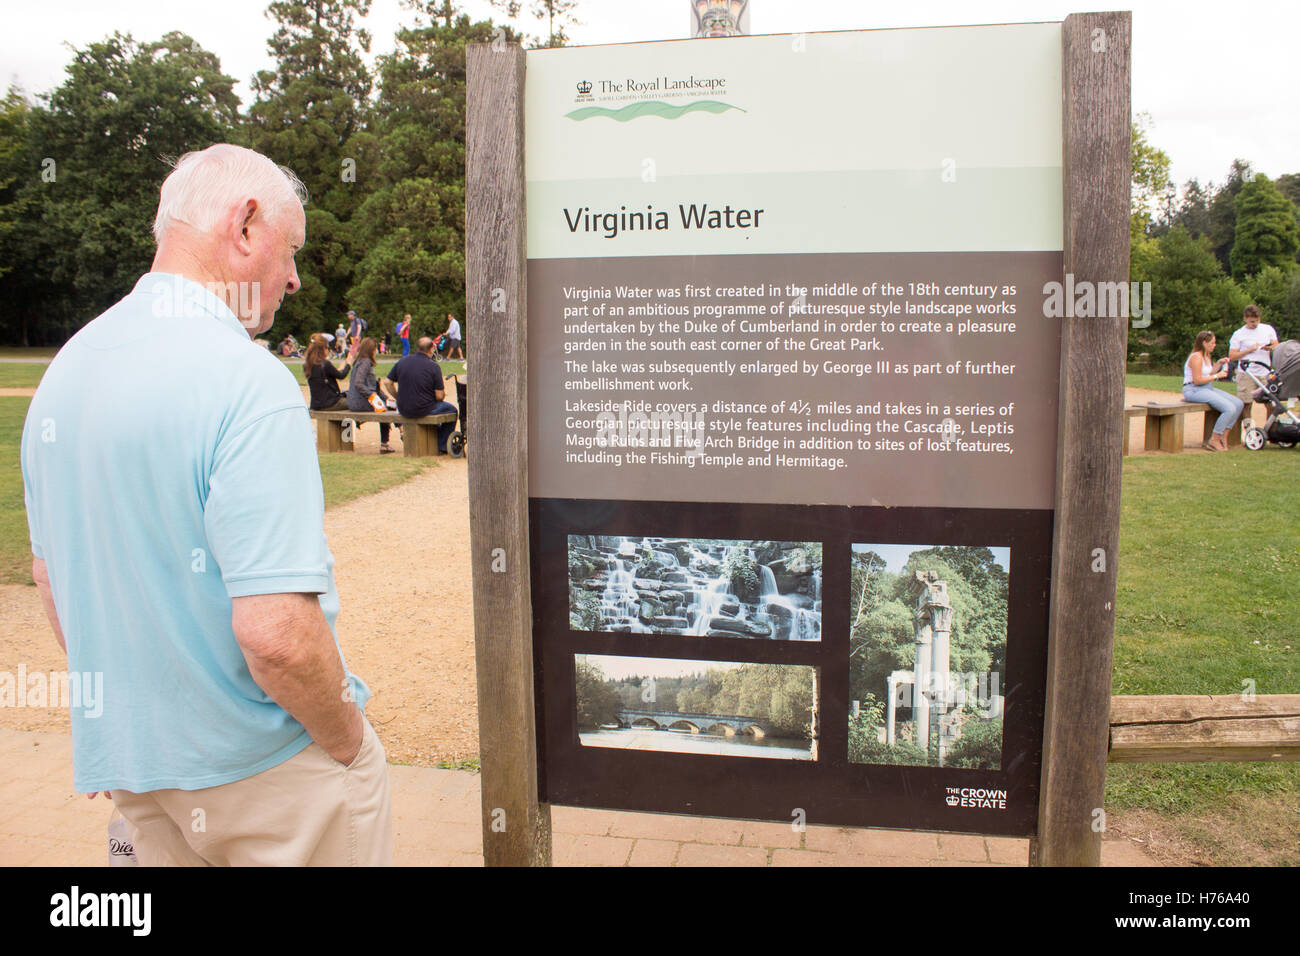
203	186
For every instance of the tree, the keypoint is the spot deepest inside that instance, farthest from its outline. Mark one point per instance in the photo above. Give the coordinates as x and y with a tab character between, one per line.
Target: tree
1193	212
1265	230
1152	191
1276	290
1189	292
412	228
96	152
598	702
1288	185
14	113
558	15
1223	212
310	115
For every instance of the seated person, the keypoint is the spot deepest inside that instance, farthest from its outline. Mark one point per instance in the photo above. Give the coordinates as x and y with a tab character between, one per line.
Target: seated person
322	379
1200	371
416	382
364	384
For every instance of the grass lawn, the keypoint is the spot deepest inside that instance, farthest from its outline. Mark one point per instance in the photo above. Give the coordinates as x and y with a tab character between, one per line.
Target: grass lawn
1168	383
1201	610
350	476
381	370
21	374
15	553
344	476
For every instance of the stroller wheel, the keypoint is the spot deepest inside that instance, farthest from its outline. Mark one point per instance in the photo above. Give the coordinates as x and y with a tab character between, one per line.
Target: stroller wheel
1255	439
456	445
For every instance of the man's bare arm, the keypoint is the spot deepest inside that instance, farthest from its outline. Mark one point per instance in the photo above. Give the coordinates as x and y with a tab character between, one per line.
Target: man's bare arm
42	578
292	656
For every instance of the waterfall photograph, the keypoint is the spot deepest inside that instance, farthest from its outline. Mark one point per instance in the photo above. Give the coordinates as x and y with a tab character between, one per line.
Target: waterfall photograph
702	587
723	708
927	655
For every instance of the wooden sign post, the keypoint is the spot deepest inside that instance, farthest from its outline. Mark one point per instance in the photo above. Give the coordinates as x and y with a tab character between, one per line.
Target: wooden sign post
1096	126
516	827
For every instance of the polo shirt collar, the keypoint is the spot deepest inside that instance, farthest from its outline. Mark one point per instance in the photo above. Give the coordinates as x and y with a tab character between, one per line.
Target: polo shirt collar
188	297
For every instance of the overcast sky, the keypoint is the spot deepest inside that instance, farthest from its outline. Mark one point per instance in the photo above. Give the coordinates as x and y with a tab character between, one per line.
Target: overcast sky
1218	79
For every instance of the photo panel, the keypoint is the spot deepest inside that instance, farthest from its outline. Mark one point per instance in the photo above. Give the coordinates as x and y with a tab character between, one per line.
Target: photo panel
720	708
927	654
638	712
699	587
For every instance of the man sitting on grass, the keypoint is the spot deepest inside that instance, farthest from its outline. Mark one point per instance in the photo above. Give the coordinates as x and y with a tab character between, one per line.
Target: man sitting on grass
416	383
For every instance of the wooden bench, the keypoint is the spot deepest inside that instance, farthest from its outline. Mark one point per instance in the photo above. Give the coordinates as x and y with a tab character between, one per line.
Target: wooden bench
1164	425
419	435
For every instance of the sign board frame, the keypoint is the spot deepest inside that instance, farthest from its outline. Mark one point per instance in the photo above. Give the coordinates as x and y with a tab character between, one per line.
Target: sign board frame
1096	175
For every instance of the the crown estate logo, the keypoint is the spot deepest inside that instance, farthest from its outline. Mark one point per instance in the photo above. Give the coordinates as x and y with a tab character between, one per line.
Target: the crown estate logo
584	88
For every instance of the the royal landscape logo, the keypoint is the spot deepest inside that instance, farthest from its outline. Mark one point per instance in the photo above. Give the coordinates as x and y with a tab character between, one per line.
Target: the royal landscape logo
977	797
666	96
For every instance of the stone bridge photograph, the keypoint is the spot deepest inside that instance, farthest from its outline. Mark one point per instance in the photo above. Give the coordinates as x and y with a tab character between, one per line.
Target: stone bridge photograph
722	708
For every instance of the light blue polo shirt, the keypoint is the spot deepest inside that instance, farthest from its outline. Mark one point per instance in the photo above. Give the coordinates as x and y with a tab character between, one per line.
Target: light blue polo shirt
169	466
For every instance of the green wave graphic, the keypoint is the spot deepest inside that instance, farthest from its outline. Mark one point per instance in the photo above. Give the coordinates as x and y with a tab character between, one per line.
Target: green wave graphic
650	108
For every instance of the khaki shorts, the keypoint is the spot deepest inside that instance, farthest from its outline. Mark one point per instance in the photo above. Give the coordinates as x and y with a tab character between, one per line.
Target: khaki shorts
310	810
1246	387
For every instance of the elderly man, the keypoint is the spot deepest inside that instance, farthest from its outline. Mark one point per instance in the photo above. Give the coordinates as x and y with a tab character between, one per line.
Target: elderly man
1253	343
179	549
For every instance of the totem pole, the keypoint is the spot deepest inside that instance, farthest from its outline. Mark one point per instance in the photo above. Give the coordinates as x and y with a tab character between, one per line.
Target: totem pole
719	18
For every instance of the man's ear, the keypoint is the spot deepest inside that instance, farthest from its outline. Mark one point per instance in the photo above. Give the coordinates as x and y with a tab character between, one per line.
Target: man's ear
242	223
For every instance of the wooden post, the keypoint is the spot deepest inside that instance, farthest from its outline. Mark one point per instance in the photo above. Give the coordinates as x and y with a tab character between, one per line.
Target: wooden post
1096	121
516	826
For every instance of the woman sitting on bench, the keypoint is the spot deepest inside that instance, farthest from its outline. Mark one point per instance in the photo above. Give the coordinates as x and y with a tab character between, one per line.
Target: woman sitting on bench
322	378
1199	374
363	385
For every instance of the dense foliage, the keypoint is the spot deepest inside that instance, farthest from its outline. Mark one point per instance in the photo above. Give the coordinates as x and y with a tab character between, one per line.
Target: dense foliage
382	154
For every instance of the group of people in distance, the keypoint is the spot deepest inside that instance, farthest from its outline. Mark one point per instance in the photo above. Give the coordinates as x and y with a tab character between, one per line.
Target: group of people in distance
1253	342
414	386
346	337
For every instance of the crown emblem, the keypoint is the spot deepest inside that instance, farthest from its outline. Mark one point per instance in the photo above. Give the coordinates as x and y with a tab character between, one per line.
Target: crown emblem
952	801
584	87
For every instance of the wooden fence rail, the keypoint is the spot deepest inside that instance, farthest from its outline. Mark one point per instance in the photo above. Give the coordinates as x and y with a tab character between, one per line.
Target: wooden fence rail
1191	729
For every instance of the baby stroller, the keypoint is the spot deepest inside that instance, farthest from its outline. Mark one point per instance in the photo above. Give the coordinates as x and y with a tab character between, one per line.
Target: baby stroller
1277	386
456	443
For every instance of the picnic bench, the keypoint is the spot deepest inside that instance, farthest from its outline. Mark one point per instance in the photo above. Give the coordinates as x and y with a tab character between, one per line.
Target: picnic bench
1164	424
419	435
